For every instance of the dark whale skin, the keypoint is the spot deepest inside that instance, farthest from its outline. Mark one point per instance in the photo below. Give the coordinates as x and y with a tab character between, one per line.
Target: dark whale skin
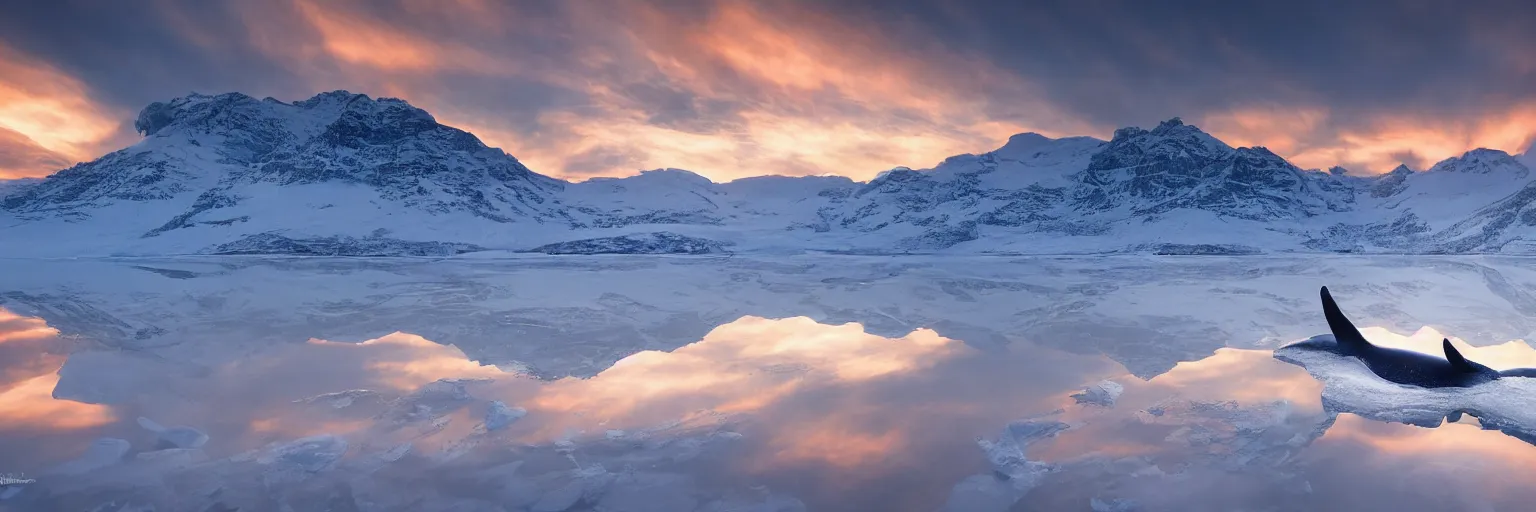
1400	366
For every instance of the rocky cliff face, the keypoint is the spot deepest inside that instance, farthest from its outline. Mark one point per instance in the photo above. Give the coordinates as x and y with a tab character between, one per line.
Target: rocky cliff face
1174	166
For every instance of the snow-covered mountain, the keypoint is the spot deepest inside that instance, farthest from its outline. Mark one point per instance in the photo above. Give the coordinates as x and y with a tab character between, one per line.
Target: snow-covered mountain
231	169
345	174
12	186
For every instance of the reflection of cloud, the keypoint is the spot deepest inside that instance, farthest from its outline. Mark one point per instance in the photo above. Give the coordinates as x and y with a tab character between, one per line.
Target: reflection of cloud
1460	439
1248	383
743	366
1459	458
834	443
29	404
28	376
407	361
14	327
1248	376
752	366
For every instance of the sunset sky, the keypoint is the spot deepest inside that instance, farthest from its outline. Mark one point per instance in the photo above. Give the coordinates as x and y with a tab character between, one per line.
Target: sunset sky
583	88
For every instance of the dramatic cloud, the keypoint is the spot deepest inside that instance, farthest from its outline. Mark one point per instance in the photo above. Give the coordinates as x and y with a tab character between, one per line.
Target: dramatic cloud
735	88
47	118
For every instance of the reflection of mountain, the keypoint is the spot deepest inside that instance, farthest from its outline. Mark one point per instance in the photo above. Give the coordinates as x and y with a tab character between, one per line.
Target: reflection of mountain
558	316
346	174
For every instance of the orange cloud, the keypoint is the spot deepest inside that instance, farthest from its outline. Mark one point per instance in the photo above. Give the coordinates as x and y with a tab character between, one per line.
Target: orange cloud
1307	137
789	90
816	97
53	111
355	39
813	98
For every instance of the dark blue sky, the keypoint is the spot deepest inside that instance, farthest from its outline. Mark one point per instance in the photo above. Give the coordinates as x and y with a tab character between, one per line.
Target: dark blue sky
733	88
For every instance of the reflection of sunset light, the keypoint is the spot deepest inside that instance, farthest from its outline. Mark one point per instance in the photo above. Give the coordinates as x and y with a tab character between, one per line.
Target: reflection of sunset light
1488	459
290	428
743	366
1252	379
407	361
1400	439
14	327
834	444
26	391
30	404
1081	442
1248	376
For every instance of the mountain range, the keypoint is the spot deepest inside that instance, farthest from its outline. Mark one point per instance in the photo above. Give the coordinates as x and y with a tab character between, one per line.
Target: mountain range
348	175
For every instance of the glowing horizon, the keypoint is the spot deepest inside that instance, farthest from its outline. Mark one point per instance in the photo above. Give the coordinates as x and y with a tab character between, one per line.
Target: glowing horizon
731	89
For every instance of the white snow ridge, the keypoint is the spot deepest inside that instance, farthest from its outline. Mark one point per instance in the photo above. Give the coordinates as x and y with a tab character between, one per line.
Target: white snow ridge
343	174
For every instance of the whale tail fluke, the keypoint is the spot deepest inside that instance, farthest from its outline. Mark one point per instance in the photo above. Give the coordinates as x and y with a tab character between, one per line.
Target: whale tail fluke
1457	360
1345	332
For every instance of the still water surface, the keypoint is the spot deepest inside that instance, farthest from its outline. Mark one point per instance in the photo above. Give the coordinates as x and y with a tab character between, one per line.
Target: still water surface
681	384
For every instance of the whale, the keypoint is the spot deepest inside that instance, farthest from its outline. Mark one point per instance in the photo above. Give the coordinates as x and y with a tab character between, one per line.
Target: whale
1400	366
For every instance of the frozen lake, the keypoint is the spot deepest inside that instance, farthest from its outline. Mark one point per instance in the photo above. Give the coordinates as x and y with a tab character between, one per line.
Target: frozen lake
633	383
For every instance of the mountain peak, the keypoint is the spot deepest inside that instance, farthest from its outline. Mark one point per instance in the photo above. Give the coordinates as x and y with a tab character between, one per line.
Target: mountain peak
1175	128
1171	123
1026	140
158	115
1481	161
1034	148
1023	144
675	175
238	112
210	145
1170	138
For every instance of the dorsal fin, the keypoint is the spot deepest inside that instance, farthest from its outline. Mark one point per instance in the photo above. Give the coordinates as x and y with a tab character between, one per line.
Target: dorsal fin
1343	331
1458	361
